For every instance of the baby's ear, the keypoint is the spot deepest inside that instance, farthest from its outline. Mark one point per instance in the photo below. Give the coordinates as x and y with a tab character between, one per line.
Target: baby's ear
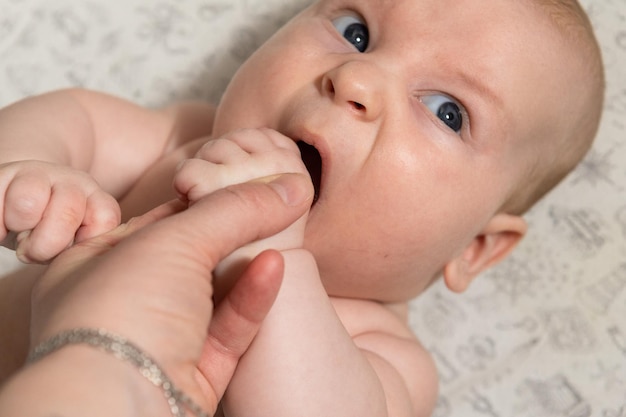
494	243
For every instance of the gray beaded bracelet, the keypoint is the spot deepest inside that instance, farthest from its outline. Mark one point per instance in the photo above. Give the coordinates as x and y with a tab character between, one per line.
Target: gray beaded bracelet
126	351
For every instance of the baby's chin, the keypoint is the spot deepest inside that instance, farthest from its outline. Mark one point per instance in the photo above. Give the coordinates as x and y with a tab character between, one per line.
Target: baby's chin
381	291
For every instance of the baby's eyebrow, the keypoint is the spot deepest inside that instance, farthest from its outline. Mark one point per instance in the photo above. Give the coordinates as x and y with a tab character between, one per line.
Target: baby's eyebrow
476	83
483	89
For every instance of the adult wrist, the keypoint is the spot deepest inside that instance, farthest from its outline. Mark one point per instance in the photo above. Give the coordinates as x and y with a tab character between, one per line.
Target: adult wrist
124	350
79	380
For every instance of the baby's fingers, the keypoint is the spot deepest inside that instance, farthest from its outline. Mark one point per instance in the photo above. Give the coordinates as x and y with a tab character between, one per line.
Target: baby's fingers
222	151
102	214
25	201
196	178
237	146
59	222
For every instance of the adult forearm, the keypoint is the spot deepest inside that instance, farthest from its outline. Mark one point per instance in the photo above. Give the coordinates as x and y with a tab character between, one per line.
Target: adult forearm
81	381
303	362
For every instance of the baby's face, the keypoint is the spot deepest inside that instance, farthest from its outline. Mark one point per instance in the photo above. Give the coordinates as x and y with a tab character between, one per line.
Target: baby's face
423	115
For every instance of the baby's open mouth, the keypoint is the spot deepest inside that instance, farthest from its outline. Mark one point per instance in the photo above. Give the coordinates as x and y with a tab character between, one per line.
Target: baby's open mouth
313	162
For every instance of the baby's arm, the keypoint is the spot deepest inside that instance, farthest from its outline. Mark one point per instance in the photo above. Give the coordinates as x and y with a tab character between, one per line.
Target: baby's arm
67	156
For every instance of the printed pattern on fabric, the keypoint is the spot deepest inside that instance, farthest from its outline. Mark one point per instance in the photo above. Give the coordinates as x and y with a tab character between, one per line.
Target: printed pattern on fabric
540	335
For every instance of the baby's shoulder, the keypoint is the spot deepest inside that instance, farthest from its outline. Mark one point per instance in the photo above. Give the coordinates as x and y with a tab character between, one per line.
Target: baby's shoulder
392	347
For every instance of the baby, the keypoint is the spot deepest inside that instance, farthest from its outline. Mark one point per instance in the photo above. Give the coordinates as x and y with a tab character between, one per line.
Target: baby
427	131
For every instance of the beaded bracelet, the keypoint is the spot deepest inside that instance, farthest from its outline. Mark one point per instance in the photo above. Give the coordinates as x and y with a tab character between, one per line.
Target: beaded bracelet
124	350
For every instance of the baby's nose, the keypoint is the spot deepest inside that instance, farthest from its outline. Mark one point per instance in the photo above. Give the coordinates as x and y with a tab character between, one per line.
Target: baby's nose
356	86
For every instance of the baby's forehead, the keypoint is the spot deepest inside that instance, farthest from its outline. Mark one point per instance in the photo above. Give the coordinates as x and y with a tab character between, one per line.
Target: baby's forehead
509	47
415	16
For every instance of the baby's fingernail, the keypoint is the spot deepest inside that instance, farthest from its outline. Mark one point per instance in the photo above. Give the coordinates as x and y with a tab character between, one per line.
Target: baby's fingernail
20	248
21	236
21	256
290	191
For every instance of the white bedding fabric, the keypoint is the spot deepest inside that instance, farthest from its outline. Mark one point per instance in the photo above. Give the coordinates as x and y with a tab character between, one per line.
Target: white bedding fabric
541	335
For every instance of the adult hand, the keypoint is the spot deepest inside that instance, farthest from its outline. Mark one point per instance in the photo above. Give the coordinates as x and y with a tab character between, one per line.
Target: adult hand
150	281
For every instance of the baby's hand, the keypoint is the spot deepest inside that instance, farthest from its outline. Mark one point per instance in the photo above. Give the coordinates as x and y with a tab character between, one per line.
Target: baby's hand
242	156
237	157
46	207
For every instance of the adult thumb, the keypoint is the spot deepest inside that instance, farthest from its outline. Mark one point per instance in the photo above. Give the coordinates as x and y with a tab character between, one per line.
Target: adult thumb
232	217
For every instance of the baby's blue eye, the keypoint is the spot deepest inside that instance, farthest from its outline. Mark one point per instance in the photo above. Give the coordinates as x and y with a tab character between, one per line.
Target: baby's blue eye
446	109
354	30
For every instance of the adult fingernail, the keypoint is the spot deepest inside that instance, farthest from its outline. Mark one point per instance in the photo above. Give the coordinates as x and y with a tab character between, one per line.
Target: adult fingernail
288	188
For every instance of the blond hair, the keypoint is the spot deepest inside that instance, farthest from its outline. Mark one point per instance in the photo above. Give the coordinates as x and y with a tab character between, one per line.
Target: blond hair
550	168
